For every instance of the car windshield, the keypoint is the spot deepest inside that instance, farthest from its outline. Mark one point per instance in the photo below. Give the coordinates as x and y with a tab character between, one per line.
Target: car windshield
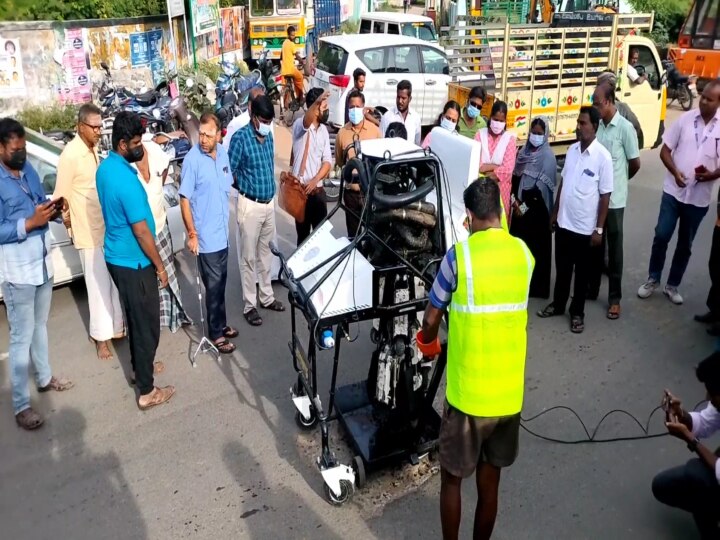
289	7
261	8
419	30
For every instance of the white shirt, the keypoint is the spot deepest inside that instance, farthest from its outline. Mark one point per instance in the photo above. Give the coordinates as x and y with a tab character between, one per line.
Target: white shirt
586	175
632	73
318	149
239	122
704	424
692	143
158	162
412	123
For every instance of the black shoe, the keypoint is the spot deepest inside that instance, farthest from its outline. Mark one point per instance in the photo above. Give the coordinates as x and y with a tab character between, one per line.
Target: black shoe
706	318
714	329
549	311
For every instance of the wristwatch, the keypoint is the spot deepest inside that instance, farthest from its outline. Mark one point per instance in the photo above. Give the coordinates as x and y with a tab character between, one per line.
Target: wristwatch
692	445
599	230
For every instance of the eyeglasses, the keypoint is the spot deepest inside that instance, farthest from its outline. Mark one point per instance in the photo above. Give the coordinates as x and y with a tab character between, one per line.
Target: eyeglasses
96	129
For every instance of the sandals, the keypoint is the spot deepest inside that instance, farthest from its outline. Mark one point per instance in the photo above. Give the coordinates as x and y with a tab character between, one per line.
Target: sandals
56	385
274	306
613	312
158	396
28	419
549	311
253	317
224	346
230	332
577	324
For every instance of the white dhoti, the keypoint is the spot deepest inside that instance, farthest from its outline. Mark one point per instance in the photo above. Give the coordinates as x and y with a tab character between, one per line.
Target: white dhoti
106	317
256	229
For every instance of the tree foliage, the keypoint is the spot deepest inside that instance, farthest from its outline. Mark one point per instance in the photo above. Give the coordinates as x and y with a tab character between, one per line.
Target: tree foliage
63	10
669	17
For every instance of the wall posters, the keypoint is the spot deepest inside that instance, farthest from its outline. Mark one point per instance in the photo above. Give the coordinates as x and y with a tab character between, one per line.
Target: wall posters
76	87
205	15
12	80
146	50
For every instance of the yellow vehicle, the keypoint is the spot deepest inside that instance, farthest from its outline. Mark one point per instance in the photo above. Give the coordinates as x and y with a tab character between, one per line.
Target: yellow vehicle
269	20
551	71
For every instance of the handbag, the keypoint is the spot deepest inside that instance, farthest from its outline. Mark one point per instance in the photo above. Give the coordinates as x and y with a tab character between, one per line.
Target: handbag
292	197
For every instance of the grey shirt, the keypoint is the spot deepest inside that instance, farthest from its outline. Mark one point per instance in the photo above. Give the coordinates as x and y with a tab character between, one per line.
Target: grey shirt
318	149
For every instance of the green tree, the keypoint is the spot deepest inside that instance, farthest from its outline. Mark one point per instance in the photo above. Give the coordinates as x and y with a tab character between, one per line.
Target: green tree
669	17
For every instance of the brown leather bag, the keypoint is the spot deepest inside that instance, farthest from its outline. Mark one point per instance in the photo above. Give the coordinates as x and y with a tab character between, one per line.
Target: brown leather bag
292	197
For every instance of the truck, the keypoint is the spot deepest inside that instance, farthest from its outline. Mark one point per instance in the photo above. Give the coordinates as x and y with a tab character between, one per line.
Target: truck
698	49
551	70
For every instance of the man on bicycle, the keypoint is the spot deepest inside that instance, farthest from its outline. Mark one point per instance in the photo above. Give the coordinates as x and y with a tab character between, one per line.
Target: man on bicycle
287	63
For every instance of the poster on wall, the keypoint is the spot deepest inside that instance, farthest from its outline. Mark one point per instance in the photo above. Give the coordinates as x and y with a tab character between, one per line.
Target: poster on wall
146	50
77	87
12	80
205	15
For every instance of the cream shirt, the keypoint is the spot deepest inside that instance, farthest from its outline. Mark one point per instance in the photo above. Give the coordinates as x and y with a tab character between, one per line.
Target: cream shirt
76	183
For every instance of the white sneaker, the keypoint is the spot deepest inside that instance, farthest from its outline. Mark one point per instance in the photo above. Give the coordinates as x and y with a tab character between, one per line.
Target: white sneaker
647	288
673	294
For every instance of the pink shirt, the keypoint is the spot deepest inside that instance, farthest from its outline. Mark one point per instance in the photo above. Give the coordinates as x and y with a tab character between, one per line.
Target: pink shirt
504	171
693	143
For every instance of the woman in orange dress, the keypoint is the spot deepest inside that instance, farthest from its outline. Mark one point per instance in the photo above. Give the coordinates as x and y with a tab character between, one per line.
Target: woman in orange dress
497	157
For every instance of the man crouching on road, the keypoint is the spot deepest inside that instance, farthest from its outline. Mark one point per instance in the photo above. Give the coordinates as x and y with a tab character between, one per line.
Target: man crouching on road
483	284
694	487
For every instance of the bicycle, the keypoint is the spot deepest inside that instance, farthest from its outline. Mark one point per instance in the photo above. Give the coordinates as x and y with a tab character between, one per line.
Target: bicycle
289	102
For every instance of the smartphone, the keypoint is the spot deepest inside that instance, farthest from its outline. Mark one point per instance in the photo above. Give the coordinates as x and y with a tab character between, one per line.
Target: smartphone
58	203
700	169
666	407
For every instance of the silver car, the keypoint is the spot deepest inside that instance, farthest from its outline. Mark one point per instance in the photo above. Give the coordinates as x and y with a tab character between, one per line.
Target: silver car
43	154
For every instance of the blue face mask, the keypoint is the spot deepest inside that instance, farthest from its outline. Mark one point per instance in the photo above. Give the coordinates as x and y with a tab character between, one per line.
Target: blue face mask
536	140
356	115
264	129
473	111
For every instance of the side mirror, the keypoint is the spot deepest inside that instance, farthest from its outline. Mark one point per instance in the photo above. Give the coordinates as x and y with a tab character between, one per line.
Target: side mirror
189	83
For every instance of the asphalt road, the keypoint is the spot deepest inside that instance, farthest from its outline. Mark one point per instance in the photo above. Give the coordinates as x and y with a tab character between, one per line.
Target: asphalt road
224	458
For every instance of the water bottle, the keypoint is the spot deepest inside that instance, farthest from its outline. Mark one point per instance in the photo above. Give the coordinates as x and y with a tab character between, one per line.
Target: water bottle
327	341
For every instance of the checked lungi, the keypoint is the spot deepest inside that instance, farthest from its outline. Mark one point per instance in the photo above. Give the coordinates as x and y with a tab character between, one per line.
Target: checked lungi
172	313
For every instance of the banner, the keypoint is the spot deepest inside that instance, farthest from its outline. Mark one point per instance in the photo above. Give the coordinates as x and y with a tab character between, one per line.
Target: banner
205	16
146	51
12	80
76	87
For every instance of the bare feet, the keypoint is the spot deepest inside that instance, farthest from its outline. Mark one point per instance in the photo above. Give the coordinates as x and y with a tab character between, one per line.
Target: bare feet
103	349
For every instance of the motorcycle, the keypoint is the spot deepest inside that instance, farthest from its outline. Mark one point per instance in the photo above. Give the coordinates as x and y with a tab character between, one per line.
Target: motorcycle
678	87
232	91
271	78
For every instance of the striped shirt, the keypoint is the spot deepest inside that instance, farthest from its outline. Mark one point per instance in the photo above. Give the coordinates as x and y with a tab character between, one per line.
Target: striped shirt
253	163
318	149
445	282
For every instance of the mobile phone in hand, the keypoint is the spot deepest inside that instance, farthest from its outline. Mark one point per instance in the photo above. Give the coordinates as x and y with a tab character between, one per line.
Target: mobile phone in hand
666	402
700	169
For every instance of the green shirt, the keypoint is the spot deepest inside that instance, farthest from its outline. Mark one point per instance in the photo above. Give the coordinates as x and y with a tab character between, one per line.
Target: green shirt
620	139
470	131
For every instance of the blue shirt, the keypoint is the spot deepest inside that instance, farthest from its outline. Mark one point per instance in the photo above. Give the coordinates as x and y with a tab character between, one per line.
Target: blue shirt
253	163
124	202
445	282
25	258
206	183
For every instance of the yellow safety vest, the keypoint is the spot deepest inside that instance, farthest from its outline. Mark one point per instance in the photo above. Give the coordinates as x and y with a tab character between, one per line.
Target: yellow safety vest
487	340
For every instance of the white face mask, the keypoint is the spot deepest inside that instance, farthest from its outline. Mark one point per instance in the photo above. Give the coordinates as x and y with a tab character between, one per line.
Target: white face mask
448	124
536	140
264	129
497	127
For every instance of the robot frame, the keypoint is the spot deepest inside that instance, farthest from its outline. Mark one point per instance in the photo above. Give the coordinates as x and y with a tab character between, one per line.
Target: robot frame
382	275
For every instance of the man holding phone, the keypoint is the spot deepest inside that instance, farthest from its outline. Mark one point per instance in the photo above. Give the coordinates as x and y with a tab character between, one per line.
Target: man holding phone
691	156
694	487
26	271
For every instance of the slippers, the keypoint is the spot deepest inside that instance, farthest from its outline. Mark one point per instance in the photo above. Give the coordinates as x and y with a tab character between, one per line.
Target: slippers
224	346
230	332
56	385
158	396
253	317
613	312
549	311
274	306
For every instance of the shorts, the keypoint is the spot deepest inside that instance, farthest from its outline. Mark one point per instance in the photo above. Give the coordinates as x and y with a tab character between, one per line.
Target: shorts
466	441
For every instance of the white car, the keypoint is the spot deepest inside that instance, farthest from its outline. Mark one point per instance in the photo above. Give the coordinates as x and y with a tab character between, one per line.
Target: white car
43	154
387	59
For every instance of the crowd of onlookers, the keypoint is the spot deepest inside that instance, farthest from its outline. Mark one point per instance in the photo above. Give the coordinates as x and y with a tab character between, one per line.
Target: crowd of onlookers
115	213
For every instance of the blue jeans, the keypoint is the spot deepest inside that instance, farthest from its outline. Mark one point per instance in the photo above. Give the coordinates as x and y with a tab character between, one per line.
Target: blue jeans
672	210
28	307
